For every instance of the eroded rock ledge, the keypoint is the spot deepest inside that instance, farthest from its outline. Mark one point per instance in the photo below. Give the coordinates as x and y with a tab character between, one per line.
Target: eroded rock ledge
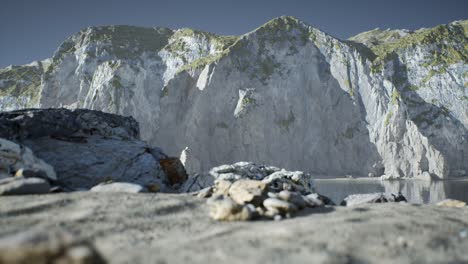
84	147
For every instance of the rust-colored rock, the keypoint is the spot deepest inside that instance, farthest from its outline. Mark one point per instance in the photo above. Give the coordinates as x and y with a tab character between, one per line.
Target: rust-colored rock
174	170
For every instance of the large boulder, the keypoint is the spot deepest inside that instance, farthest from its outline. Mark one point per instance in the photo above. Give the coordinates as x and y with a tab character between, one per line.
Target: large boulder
86	147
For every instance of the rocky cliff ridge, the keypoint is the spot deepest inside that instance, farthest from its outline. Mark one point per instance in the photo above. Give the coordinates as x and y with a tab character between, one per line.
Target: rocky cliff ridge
383	102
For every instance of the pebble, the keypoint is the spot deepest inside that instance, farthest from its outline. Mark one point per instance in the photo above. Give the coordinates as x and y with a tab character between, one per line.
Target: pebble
222	187
282	206
125	187
205	193
293	197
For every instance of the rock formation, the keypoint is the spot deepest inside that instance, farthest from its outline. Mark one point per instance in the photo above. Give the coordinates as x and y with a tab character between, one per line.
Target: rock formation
84	147
390	102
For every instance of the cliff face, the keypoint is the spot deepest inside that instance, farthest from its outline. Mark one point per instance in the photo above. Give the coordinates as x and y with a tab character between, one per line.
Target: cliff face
383	102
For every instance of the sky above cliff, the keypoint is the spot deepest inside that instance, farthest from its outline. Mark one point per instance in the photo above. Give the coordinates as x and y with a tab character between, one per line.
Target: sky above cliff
32	30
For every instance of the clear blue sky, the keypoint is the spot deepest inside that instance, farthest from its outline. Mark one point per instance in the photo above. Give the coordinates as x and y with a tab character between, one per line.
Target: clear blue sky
32	29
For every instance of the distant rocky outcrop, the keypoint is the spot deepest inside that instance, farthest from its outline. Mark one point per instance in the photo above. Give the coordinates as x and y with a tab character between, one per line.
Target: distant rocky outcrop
386	102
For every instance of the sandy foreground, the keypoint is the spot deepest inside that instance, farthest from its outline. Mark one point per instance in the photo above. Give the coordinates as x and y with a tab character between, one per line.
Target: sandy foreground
176	228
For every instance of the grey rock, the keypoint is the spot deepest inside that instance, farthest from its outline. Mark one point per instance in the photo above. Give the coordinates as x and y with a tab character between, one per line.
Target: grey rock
205	193
119	187
343	111
16	159
197	182
358	199
323	200
20	186
86	147
280	205
64	124
222	187
51	246
293	197
248	191
223	208
290	180
277	179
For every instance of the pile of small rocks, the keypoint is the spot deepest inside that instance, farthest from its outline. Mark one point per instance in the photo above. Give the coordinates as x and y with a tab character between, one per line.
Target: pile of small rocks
245	191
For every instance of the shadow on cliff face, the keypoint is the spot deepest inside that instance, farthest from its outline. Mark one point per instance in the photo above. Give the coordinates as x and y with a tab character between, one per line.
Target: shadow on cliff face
443	131
298	118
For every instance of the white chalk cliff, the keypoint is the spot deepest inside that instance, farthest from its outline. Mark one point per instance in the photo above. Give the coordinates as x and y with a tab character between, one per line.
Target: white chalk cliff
391	102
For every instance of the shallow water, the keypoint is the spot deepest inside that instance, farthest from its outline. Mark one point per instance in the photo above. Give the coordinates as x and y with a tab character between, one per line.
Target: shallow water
419	192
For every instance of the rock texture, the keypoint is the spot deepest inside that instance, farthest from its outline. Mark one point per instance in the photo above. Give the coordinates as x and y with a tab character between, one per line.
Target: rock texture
286	94
359	199
20	185
18	160
86	147
245	191
176	228
118	187
275	178
51	246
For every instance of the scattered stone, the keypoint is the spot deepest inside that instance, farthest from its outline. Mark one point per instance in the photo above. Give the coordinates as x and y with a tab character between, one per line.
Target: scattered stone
174	170
272	195
205	193
452	203
280	205
223	208
248	191
289	180
47	247
294	198
357	199
20	186
267	191
222	187
118	187
322	198
277	217
312	201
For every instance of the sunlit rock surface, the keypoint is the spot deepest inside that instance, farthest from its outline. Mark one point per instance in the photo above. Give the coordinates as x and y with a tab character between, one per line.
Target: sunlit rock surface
286	94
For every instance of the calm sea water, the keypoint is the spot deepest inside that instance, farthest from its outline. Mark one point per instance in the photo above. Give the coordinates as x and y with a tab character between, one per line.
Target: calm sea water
420	192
